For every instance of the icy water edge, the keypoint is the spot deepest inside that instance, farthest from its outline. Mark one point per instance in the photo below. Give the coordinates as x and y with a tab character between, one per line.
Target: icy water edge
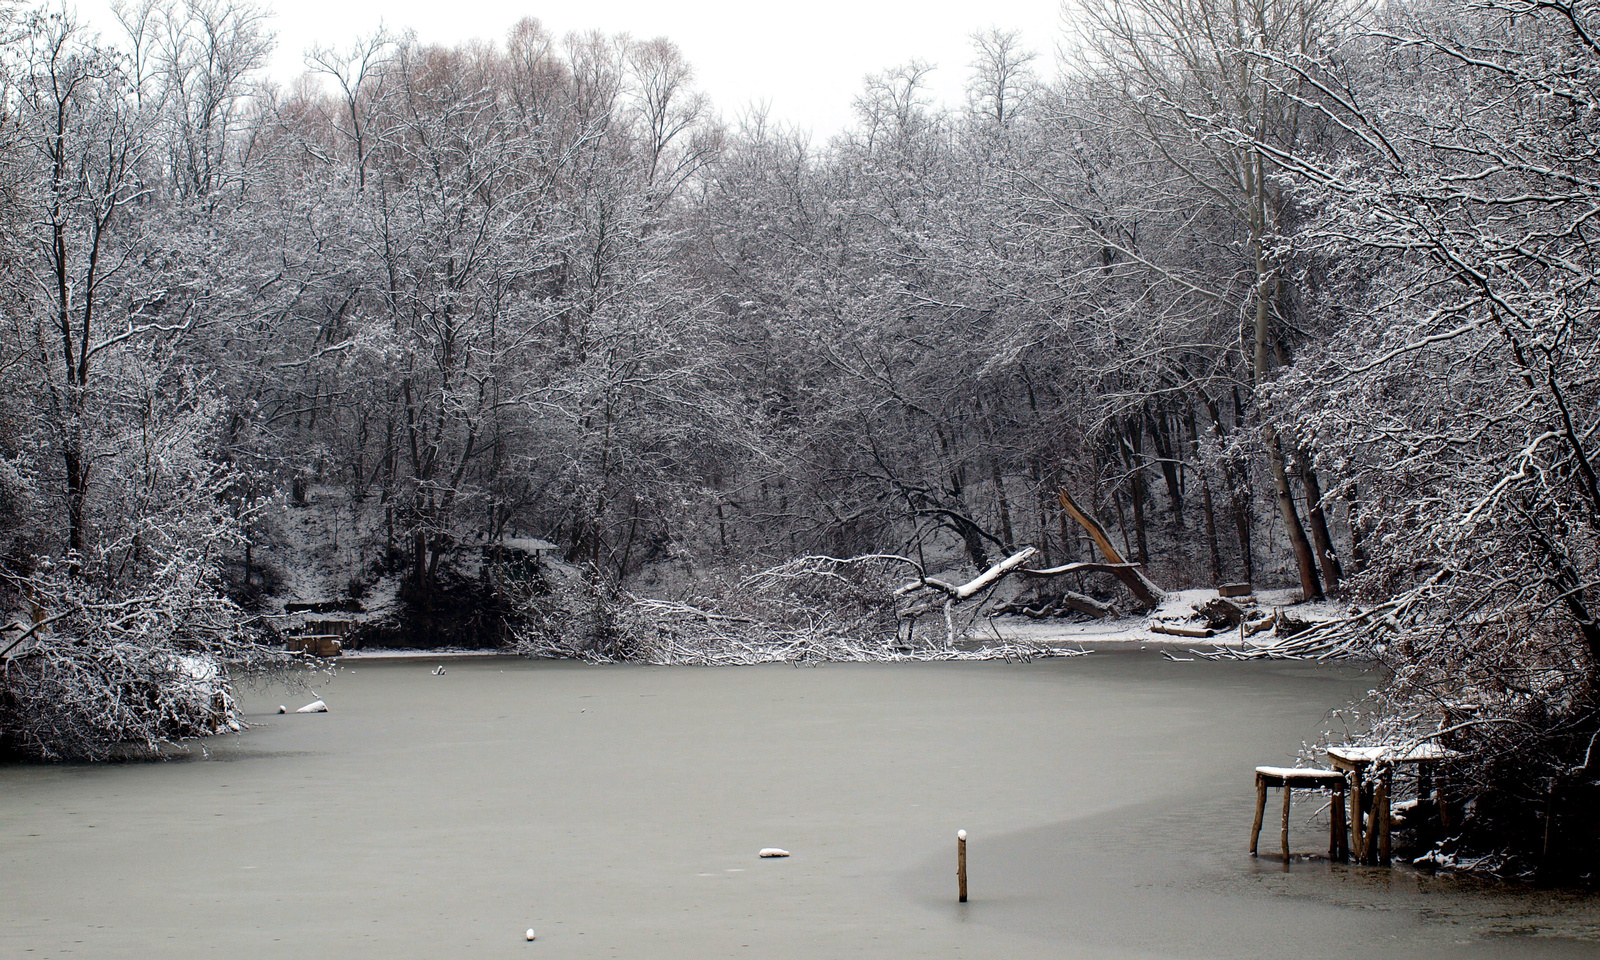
618	811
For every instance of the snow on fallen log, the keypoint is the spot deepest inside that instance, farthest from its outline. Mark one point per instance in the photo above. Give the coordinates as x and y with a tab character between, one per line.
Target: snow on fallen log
315	706
1085	566
1174	630
978	584
1253	627
1324	640
773	852
1056	605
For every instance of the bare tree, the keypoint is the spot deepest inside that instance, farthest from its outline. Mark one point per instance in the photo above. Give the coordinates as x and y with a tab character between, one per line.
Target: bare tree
1192	72
1002	80
358	72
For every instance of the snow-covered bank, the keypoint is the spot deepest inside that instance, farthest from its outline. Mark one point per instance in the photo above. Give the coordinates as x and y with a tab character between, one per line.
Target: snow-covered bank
1020	636
444	653
1178	607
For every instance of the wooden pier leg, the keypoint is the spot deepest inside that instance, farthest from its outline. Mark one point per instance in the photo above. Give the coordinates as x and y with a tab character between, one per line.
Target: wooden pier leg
1288	791
1338	848
1380	811
1261	809
1358	822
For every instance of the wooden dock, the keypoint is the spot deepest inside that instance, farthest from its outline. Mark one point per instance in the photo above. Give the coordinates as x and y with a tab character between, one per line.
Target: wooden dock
1290	779
320	638
1366	775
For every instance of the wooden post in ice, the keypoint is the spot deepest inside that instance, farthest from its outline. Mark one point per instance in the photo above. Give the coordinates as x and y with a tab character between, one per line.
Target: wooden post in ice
961	864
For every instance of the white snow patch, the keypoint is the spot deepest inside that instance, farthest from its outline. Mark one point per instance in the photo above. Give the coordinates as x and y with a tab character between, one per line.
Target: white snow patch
1178	607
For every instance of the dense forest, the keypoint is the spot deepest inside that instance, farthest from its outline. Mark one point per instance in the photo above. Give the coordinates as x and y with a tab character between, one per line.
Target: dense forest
1281	291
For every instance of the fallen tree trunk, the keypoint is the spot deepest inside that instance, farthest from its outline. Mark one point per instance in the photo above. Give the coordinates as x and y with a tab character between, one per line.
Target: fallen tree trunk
973	587
1090	567
1057	605
1086	605
1137	583
1253	627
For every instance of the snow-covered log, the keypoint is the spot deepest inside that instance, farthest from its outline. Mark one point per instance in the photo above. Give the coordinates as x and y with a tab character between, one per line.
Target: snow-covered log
976	585
1057	604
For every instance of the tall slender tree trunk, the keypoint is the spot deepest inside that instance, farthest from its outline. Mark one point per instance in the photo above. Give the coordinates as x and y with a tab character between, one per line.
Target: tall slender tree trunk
1002	503
1206	503
77	497
1167	455
1238	495
1133	456
1243	522
1211	530
1122	520
1042	516
1358	546
1305	561
1327	559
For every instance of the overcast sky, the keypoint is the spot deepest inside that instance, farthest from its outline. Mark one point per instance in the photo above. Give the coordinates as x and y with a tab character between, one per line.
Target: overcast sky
805	59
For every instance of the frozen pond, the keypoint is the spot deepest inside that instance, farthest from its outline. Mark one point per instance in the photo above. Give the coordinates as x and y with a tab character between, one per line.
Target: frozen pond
618	810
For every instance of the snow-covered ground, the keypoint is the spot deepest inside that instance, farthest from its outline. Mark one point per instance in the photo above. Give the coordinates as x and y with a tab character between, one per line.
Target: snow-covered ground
1178	608
398	653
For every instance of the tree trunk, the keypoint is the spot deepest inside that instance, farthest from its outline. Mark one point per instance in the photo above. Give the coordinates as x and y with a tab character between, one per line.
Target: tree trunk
1305	562
77	500
419	561
1211	530
1167	456
1332	573
1238	496
1358	547
1265	286
1043	520
1133	455
1243	521
1122	521
1206	502
1003	505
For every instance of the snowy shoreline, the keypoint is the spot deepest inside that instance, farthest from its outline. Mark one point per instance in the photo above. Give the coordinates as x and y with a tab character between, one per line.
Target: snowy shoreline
1135	632
407	653
1124	633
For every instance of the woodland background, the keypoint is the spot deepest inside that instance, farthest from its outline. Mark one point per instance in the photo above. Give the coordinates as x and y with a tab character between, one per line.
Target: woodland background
1290	291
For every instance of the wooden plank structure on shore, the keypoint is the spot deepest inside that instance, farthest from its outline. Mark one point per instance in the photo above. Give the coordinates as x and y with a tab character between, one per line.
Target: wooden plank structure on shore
320	638
318	645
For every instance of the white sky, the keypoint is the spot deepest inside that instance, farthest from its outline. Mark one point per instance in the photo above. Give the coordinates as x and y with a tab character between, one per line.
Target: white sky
805	59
